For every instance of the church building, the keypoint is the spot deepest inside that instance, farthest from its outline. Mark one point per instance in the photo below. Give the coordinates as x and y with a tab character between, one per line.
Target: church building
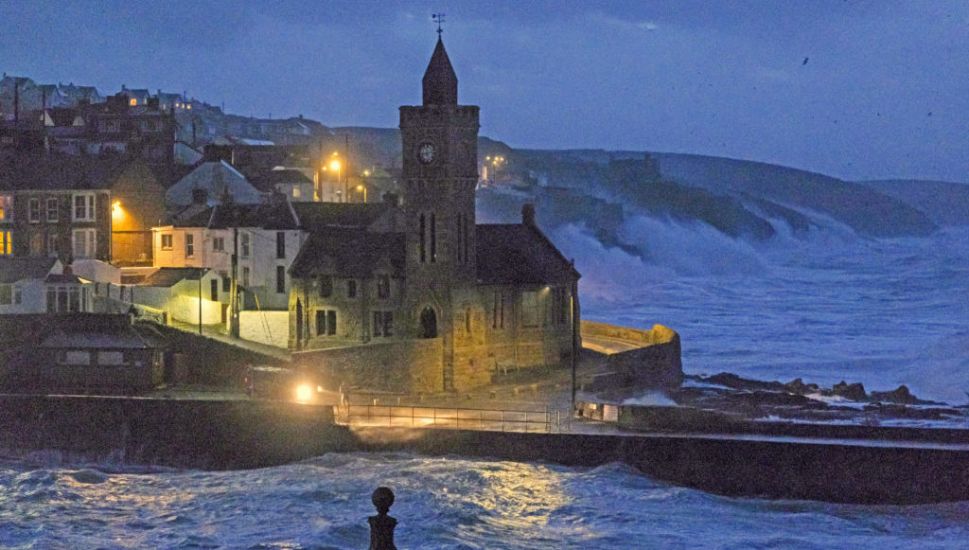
418	266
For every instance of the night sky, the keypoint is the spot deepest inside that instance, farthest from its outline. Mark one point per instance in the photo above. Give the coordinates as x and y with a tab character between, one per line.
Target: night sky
853	89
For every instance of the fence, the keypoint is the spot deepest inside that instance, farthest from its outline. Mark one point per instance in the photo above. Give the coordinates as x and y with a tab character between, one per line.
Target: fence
450	418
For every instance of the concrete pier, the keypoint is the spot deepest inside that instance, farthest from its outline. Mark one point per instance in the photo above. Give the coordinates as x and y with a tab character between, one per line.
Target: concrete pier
245	434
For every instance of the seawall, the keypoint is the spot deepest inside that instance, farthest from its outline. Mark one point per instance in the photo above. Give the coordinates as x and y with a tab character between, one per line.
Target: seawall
246	434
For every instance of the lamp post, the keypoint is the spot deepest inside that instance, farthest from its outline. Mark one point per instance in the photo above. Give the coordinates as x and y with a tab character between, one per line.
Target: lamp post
336	166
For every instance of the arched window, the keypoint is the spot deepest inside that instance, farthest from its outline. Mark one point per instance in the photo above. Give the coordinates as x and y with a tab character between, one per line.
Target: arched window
428	323
423	239
433	238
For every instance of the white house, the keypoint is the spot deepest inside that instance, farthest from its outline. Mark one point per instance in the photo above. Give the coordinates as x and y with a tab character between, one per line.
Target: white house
266	236
41	285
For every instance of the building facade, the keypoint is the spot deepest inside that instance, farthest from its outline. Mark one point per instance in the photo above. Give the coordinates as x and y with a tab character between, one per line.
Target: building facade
497	296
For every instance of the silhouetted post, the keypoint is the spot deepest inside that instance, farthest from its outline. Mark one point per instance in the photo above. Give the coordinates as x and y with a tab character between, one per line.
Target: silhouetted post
382	525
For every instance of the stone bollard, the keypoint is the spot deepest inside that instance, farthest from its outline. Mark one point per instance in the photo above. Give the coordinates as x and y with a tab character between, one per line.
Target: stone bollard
382	525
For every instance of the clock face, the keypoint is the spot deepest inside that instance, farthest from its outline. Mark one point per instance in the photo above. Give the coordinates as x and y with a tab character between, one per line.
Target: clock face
426	153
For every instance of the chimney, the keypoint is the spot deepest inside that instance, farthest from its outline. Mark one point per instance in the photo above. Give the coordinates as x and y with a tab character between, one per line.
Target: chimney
67	271
528	214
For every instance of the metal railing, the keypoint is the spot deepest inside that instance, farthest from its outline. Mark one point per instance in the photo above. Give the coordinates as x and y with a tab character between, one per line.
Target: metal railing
395	416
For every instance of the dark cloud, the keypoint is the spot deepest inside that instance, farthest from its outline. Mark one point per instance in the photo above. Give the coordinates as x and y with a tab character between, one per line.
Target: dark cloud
692	76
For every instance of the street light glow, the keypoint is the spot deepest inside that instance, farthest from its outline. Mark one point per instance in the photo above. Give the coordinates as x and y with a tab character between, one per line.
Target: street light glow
335	164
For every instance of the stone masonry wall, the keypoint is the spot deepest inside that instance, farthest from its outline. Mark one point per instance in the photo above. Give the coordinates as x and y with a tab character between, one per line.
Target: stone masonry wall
404	366
657	364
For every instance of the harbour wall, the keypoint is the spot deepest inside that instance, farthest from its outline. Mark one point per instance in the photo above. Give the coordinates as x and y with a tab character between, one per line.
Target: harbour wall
655	361
246	434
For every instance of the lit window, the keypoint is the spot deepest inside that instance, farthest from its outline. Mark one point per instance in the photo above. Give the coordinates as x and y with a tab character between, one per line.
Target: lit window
133	101
166	241
6	244
6	207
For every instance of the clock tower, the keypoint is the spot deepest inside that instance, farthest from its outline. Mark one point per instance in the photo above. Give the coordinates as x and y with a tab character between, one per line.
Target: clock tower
440	171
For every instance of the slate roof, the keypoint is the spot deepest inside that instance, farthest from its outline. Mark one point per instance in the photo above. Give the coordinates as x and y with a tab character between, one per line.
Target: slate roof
42	172
170	276
353	253
267	181
440	83
124	339
63	279
519	254
272	214
13	269
317	216
216	178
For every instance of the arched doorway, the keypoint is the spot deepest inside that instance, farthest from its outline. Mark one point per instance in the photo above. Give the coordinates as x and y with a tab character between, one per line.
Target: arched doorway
428	323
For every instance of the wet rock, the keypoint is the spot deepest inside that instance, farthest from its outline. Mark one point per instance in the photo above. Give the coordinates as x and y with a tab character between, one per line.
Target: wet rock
731	380
797	386
900	395
783	399
893	411
853	392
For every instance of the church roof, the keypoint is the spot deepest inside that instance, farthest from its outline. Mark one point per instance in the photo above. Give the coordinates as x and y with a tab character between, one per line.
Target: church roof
316	216
519	254
440	82
348	253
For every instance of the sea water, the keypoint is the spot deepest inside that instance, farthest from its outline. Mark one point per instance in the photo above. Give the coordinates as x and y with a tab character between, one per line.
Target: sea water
824	306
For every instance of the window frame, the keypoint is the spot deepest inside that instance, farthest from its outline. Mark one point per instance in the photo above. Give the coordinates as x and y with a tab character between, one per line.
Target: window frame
171	241
56	210
280	245
88	204
280	279
33	210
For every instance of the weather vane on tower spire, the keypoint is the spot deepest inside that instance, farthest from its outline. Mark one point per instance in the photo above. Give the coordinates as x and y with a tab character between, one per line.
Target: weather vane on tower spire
439	19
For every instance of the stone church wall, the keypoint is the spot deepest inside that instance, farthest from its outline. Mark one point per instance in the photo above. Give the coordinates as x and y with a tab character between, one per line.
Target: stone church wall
490	348
404	366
